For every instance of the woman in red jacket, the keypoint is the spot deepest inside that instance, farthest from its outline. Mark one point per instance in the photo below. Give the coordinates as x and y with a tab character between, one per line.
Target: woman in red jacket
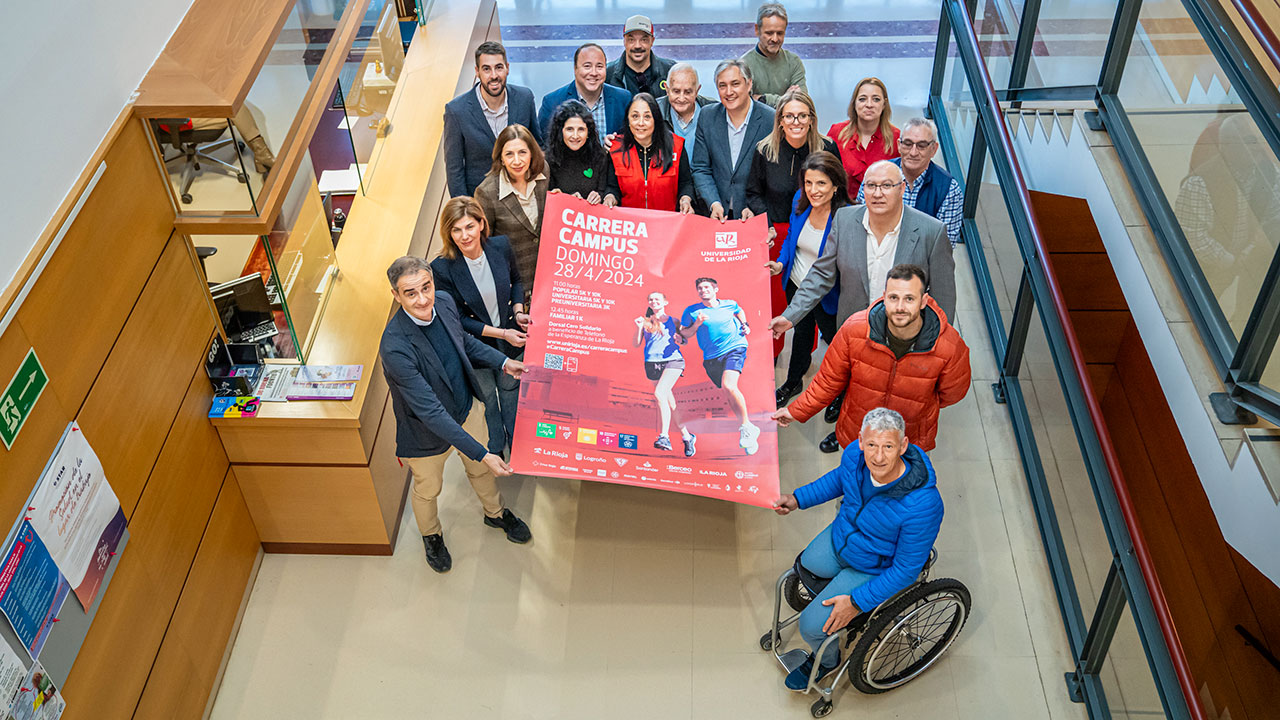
650	163
868	135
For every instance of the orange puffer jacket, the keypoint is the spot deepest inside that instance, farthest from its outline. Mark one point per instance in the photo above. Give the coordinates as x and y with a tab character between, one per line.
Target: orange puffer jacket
933	375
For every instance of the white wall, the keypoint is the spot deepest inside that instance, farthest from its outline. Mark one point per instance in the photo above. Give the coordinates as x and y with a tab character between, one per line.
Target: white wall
67	69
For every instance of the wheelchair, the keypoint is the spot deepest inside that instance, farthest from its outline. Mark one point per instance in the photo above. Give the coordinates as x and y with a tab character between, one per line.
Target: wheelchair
881	649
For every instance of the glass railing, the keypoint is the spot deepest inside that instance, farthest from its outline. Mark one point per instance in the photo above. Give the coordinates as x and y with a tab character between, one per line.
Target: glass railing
1097	556
1211	161
1190	101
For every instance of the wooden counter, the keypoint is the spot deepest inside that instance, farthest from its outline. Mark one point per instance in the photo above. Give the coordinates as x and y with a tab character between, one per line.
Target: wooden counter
321	476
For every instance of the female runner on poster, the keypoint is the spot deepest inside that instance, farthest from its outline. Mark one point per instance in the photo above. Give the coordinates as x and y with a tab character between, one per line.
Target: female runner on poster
664	364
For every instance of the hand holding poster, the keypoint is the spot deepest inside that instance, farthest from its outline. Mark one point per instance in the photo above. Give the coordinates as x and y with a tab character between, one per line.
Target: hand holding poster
649	358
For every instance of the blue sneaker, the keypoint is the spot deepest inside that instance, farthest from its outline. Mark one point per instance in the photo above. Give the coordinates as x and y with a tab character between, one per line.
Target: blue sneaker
798	679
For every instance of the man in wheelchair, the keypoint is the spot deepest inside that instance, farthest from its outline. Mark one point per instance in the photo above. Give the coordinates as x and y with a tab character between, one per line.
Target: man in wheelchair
880	539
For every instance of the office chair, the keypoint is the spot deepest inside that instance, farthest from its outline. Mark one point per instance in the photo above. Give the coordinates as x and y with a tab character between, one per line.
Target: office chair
193	147
203	252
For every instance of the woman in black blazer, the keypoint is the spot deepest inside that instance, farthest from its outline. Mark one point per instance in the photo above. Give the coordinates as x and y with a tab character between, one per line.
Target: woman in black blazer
776	175
479	272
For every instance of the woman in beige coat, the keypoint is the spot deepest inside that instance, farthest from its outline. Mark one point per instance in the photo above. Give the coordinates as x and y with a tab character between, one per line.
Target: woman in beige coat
513	196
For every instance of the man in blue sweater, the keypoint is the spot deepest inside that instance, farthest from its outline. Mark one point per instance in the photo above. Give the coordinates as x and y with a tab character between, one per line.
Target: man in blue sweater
881	537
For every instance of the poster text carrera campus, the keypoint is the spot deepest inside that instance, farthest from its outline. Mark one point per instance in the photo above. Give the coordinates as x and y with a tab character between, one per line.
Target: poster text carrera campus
649	360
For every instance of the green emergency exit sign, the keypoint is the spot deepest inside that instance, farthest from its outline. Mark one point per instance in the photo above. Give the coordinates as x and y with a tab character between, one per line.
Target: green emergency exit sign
20	397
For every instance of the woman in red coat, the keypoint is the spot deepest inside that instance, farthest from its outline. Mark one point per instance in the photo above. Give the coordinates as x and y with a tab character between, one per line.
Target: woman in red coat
867	136
650	163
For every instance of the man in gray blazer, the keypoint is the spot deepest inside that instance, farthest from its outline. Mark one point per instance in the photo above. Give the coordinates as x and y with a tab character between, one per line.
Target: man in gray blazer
726	139
473	120
865	242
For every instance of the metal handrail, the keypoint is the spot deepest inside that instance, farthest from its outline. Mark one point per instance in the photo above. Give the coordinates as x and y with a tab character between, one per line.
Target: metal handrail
1261	31
963	24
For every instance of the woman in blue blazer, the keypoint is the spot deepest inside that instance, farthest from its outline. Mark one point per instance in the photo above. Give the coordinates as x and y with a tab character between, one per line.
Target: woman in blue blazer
479	272
822	192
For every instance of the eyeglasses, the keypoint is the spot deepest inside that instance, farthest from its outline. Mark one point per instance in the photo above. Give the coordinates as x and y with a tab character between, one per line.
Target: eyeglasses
793	119
874	189
908	146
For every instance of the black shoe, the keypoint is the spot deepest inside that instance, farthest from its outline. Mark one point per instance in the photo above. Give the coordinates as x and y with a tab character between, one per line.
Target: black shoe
784	394
662	443
437	554
829	444
514	527
689	449
832	412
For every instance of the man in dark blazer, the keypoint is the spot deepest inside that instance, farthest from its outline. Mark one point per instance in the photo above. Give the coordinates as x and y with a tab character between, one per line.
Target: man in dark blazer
473	120
726	139
429	363
608	104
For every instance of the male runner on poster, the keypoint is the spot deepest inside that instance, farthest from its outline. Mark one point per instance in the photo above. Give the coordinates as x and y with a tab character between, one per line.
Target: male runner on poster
664	364
721	328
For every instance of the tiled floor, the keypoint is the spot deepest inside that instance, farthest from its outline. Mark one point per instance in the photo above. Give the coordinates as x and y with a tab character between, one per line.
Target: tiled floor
639	603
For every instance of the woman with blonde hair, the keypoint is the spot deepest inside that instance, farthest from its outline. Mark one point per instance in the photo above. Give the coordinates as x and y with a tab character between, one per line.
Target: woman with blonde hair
513	196
479	273
659	333
867	136
775	175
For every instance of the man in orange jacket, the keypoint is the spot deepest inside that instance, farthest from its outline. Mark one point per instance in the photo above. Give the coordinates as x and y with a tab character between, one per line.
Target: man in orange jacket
900	353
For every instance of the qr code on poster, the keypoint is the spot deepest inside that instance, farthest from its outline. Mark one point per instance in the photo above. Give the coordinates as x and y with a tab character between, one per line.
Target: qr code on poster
553	362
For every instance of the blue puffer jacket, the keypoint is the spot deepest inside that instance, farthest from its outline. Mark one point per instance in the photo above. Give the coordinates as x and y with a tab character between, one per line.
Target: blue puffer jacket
890	533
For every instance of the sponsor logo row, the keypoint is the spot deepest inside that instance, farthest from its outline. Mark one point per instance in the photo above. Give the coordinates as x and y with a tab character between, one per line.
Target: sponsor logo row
615	475
588	436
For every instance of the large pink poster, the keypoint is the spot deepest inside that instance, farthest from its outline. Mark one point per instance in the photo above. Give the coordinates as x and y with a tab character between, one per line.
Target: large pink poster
650	360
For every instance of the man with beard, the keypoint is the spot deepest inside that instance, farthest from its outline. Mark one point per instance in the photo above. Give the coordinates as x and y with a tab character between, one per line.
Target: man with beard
639	69
864	242
775	71
901	353
473	120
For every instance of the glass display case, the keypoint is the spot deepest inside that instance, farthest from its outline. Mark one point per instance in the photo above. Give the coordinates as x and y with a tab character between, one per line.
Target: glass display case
286	273
368	81
262	160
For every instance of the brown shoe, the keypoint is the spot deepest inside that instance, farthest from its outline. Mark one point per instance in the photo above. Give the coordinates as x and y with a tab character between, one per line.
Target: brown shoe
263	158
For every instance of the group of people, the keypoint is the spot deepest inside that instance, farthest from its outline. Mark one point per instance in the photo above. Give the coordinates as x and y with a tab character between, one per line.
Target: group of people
862	226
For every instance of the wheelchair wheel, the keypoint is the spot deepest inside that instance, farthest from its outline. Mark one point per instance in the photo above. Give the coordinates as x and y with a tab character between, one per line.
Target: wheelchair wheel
795	593
908	636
